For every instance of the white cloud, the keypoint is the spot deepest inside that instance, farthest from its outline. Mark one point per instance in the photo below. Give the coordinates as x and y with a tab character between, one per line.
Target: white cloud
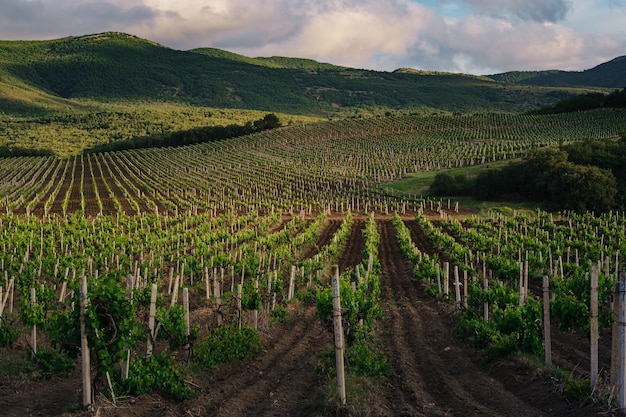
529	45
355	35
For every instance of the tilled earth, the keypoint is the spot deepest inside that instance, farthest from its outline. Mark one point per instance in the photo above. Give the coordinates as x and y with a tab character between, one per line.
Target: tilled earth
431	372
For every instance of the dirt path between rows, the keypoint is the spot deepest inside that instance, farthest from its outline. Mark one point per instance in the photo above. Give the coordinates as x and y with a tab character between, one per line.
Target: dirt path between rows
281	381
432	373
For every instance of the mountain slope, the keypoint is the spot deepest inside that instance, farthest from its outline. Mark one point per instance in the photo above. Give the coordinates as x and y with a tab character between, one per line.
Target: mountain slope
610	74
111	67
270	62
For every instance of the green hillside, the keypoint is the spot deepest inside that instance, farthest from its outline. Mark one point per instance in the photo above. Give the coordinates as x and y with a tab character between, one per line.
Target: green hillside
66	95
114	67
610	74
270	62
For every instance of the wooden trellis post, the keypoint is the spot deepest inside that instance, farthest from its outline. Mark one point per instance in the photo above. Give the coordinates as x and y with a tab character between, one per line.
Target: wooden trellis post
33	332
547	335
239	312
207	286
438	273
465	290
457	286
594	325
151	319
338	327
446	278
621	366
292	278
84	346
175	291
186	309
486	304
614	336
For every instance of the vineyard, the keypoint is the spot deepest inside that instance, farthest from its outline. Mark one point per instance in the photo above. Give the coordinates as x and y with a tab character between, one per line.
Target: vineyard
197	279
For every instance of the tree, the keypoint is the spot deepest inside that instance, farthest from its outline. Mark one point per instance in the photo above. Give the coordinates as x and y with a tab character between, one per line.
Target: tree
270	121
444	184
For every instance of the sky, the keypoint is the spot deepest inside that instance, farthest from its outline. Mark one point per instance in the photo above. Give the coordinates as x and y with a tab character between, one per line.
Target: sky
470	36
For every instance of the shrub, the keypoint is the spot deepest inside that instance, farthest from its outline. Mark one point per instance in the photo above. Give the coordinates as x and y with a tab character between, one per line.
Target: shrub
156	373
226	344
8	333
52	362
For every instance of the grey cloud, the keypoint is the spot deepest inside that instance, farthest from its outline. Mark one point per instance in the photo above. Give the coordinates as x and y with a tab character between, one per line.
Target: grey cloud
24	19
18	10
536	10
108	13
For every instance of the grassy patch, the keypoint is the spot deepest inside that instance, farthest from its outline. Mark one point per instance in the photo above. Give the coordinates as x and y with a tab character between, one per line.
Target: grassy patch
419	182
71	133
417	185
13	365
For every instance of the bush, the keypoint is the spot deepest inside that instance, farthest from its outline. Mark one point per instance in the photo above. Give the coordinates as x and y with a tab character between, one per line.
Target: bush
174	326
279	314
446	184
8	333
364	360
52	362
512	328
227	344
156	373
577	389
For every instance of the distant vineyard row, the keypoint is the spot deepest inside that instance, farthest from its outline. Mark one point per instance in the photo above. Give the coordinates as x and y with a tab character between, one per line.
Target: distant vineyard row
299	167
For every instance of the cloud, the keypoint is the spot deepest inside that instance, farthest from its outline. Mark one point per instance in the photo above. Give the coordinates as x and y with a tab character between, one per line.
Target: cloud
477	36
347	32
496	43
500	35
36	19
355	35
535	10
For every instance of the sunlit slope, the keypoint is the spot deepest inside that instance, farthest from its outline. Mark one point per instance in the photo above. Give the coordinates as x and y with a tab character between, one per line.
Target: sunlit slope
113	67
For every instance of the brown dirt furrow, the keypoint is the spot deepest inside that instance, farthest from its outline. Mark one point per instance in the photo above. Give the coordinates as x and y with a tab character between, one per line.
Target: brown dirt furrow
431	372
281	381
323	239
57	204
39	208
74	202
353	252
108	207
42	182
89	191
421	241
53	399
108	176
127	178
571	349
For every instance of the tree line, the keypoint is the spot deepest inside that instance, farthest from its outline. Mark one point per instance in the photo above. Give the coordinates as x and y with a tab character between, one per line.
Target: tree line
8	151
583	176
191	136
588	101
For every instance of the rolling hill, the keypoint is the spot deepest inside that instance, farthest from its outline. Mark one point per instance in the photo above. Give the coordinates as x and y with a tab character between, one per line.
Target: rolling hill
65	95
610	74
112	67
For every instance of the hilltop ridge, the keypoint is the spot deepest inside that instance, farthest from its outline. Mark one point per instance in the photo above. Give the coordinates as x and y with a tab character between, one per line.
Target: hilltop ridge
62	74
611	74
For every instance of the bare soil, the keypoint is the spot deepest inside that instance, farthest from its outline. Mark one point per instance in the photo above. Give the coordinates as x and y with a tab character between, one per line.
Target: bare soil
431	372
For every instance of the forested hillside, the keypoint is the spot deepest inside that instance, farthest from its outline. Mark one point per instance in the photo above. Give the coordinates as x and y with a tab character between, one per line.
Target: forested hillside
586	175
73	73
610	74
